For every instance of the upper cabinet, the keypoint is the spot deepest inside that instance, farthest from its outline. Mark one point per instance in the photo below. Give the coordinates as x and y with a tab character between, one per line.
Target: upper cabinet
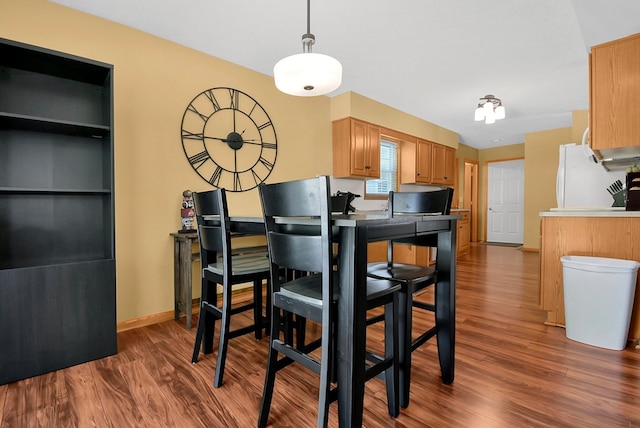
425	162
615	94
356	149
443	165
416	162
356	154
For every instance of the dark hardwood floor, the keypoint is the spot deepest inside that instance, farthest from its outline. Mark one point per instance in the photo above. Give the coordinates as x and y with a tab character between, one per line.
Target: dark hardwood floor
511	371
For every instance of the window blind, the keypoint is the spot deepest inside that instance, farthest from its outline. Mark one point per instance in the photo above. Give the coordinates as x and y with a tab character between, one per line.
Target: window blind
388	170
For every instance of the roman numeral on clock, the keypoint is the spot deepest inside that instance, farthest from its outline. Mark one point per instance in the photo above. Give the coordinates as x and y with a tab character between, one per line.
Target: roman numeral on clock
199	158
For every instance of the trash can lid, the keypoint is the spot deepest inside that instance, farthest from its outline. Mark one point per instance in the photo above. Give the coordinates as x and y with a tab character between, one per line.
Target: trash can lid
600	264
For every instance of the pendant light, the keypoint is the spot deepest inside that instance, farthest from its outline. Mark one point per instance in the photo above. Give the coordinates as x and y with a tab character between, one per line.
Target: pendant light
307	74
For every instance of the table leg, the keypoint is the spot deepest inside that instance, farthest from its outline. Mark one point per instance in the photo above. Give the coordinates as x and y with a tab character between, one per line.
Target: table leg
351	319
445	302
177	290
405	316
185	270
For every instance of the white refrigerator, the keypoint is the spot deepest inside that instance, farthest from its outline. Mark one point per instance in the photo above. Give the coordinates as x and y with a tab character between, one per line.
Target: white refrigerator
581	182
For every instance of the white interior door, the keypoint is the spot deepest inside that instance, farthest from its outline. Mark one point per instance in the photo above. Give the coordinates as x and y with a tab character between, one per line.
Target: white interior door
505	210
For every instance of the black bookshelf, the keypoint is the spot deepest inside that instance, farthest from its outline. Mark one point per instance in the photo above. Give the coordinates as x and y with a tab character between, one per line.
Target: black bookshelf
57	253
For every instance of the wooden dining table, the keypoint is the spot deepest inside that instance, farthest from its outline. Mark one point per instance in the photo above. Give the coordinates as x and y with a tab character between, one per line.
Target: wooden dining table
356	231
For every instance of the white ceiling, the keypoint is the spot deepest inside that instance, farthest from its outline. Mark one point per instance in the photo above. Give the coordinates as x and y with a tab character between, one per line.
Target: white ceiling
430	58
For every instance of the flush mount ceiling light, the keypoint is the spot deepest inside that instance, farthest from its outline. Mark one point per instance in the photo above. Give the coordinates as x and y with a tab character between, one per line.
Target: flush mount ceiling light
307	74
490	109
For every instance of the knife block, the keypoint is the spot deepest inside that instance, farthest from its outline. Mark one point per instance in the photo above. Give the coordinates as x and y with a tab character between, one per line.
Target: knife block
632	202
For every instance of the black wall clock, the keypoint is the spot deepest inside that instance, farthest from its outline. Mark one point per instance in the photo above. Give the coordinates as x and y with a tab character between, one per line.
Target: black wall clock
229	139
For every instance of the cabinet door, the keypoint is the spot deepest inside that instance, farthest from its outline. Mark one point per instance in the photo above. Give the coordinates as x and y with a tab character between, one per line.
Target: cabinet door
364	150
423	161
443	164
359	148
463	238
615	94
377	251
411	254
373	149
449	165
404	253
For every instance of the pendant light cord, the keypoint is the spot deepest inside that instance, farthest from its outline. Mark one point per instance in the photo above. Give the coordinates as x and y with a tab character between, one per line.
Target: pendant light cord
308	16
308	39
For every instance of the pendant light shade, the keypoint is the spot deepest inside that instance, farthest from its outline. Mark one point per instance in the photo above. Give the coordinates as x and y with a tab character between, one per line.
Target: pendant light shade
307	74
479	113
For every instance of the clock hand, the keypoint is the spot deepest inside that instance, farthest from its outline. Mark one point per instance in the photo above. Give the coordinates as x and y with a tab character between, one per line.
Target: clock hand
224	140
235	160
234	120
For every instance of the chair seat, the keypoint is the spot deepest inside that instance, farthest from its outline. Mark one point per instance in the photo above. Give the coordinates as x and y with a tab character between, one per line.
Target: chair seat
242	264
401	272
308	289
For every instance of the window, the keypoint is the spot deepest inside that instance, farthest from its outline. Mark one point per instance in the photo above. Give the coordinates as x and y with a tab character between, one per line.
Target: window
388	171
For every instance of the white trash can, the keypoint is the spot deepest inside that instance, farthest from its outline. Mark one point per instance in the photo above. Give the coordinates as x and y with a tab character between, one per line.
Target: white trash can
598	297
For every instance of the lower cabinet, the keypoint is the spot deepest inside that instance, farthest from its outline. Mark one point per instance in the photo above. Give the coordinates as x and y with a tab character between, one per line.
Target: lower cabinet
463	236
614	237
56	316
411	254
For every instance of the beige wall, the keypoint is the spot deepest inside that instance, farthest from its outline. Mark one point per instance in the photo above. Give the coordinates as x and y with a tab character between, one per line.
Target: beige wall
154	82
541	166
464	153
361	107
580	122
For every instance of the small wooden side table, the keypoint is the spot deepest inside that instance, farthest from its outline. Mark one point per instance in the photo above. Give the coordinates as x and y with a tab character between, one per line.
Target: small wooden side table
183	257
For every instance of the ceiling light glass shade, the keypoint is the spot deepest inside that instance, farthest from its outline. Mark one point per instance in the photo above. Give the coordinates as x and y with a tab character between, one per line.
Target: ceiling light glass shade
479	114
500	112
488	107
307	74
491	118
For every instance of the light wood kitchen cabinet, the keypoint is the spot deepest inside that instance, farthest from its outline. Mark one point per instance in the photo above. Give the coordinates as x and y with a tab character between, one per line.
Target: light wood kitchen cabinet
615	94
463	235
356	149
613	237
411	254
443	165
425	162
416	162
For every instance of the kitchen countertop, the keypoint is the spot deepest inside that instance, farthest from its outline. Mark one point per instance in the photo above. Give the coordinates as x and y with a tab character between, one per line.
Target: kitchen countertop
589	212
